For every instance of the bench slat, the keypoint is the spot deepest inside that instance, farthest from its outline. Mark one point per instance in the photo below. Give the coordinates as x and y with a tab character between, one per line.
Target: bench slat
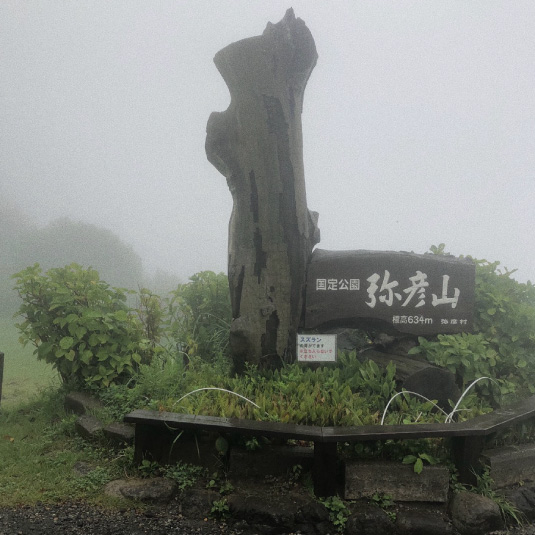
478	426
502	418
227	425
385	432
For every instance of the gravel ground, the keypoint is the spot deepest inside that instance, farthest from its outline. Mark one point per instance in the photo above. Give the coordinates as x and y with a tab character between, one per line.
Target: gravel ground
79	518
73	519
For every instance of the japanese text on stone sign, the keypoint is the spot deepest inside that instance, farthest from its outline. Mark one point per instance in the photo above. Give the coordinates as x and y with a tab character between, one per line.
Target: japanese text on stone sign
384	289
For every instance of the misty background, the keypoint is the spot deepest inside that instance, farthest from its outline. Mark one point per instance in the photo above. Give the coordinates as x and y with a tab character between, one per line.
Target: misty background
418	124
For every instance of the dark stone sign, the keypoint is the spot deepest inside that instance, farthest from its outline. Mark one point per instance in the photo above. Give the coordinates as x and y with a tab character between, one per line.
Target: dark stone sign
395	291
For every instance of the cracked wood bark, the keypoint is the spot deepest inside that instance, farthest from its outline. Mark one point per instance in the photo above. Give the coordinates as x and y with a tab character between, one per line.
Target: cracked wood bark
257	145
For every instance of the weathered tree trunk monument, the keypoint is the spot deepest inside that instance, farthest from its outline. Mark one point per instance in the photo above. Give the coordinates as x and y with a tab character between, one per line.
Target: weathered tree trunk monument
257	145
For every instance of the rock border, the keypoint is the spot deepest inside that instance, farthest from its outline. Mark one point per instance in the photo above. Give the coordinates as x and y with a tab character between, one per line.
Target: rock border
463	513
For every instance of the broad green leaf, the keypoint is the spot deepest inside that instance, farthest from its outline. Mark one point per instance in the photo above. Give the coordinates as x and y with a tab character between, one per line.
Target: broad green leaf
44	349
80	331
121	315
418	466
86	356
72	318
66	342
92	313
428	458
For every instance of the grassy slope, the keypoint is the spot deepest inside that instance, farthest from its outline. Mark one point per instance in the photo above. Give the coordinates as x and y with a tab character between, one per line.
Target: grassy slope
39	450
38	445
24	375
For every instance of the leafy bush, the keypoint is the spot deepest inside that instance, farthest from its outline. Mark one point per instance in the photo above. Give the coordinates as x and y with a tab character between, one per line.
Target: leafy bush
80	325
200	315
503	346
151	313
468	357
163	378
505	314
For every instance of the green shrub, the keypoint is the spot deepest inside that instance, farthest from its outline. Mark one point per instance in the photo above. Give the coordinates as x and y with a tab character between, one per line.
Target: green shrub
200	316
503	345
468	357
505	315
151	314
80	325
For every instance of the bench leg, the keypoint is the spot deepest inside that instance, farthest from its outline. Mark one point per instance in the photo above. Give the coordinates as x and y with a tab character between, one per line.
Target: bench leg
466	452
144	443
325	469
153	443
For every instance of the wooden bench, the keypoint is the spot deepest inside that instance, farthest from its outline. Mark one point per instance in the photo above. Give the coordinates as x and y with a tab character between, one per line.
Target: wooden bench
467	438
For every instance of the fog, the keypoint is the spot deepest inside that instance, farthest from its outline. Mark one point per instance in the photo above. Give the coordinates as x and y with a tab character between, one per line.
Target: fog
418	121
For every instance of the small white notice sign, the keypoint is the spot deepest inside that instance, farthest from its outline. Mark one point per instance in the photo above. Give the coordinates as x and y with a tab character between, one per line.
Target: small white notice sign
316	347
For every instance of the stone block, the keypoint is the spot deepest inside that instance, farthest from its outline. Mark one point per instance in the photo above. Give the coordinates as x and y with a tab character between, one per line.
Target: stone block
81	403
364	479
119	434
510	465
269	461
418	522
89	427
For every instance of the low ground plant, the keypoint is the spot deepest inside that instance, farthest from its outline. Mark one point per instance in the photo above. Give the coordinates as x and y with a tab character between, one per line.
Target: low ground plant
384	502
338	512
220	509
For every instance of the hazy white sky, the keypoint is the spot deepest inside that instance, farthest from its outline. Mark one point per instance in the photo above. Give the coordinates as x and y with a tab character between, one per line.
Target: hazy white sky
419	122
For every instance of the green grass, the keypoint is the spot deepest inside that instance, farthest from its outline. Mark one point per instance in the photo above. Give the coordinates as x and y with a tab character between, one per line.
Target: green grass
24	375
38	444
38	453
